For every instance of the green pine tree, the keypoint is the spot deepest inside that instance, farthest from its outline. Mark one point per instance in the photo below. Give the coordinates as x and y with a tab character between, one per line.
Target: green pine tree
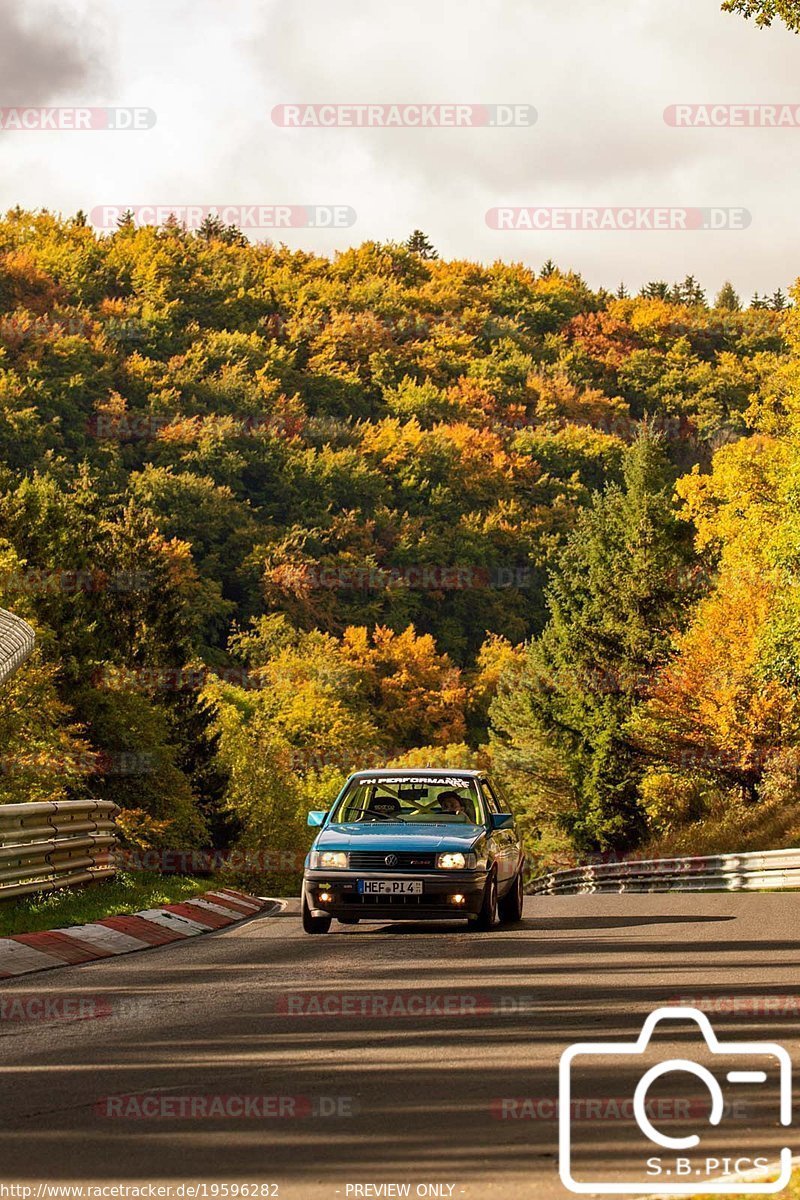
192	719
728	298
214	229
559	720
418	243
689	292
657	289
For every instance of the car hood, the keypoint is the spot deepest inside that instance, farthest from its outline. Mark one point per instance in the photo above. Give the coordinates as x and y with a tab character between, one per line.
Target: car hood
391	836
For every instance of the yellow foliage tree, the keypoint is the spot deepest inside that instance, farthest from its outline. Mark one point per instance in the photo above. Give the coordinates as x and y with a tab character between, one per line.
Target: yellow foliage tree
417	692
713	710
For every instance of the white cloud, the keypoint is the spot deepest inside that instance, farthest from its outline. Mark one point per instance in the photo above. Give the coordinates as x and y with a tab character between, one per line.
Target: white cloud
599	75
41	57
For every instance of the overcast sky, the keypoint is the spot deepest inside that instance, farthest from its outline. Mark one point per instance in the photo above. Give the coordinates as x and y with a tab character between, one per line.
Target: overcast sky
599	75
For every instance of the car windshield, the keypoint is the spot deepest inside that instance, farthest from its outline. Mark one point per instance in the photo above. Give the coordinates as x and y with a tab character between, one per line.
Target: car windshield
439	799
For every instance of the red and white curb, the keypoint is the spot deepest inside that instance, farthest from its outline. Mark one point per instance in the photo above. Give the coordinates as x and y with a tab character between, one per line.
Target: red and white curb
27	952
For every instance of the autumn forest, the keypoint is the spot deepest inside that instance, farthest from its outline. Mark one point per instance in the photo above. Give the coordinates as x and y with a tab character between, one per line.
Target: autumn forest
276	516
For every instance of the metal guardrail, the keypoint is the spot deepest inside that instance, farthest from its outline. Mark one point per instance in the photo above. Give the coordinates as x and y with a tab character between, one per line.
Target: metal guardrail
769	870
54	844
17	641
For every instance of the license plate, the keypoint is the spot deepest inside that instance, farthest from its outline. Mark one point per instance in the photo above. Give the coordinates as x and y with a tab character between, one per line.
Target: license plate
390	887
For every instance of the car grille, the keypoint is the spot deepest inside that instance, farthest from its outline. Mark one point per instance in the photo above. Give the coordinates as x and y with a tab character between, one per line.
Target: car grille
375	860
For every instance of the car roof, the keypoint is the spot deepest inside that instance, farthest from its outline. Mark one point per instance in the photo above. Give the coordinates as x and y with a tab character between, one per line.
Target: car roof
418	772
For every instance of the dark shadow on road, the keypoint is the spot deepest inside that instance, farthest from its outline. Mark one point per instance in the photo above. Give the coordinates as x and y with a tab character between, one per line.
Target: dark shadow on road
423	1094
545	923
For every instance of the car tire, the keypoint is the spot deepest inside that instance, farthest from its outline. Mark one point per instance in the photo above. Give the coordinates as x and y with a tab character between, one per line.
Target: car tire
487	917
312	924
510	907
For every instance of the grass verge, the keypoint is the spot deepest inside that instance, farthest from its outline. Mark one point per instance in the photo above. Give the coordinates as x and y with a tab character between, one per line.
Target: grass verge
126	893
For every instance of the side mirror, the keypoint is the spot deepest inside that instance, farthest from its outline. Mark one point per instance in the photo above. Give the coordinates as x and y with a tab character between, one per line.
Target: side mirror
501	821
317	817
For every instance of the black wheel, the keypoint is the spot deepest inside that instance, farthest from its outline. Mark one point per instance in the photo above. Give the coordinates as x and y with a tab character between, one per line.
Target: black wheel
487	917
312	924
510	907
348	920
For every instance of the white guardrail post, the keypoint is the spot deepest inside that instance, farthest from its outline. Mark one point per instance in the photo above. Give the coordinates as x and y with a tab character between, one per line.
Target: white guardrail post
56	843
768	870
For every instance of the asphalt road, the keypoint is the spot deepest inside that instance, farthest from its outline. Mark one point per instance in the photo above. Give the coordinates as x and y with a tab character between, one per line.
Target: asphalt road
407	1086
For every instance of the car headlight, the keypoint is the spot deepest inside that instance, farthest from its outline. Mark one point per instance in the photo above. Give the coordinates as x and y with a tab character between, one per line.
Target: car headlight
454	861
329	860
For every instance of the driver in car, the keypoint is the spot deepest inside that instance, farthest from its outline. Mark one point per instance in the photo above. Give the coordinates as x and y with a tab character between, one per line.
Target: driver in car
451	802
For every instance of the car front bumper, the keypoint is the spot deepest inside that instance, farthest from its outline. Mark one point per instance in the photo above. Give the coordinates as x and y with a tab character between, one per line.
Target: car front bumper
436	901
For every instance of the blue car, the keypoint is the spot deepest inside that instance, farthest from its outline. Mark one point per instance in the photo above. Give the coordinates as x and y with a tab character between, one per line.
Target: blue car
414	845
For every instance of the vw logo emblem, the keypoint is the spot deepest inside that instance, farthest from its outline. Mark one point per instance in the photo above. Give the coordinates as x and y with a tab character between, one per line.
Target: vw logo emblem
391	860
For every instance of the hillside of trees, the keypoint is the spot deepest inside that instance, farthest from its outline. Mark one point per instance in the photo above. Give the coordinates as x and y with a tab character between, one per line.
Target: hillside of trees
276	516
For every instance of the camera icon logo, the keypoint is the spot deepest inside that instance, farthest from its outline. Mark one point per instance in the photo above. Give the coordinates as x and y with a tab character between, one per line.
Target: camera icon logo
675	1165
